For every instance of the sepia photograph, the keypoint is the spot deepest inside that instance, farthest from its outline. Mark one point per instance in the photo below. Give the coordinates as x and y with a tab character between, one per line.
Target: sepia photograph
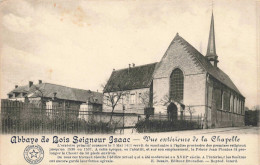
130	72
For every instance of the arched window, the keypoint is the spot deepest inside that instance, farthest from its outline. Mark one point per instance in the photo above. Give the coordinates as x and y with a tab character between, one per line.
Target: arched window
176	85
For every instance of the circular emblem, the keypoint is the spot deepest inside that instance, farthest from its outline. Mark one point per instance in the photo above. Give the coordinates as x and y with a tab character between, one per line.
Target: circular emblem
33	154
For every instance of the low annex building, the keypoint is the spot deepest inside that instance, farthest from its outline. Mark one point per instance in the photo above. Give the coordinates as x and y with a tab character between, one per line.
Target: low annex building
183	83
53	96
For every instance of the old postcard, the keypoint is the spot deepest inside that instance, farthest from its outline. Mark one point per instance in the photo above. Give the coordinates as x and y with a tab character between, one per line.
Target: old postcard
129	82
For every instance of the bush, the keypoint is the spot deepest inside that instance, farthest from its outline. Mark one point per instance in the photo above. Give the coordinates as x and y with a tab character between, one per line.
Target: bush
165	125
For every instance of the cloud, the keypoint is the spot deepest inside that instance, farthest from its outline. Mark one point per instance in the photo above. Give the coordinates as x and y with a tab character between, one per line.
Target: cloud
17	24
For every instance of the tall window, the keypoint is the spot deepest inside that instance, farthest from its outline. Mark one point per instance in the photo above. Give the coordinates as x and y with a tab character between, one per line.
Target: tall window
176	85
226	100
218	98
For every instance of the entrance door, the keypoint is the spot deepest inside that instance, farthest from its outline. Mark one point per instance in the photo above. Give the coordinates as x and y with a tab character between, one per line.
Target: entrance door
172	112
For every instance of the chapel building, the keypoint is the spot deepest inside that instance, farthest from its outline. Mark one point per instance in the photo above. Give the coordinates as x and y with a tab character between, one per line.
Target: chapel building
183	83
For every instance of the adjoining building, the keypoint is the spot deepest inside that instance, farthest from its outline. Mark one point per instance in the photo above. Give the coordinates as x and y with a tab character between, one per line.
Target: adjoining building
192	84
53	96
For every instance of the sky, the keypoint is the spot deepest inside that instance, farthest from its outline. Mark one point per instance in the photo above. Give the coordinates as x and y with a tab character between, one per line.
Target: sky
77	43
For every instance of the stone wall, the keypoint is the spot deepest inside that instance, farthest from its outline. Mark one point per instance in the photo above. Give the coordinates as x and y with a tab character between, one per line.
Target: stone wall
194	78
226	113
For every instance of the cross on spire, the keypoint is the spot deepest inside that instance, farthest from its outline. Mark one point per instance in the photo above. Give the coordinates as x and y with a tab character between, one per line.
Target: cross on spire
212	5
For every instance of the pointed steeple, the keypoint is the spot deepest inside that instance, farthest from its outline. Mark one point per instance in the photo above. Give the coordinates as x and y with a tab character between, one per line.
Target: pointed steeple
211	51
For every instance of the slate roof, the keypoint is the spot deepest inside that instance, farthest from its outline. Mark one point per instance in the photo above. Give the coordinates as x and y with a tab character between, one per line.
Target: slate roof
213	71
127	79
63	92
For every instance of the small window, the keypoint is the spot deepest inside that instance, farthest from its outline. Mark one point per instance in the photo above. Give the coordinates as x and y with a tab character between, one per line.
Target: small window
16	94
140	98
132	99
107	100
123	99
127	98
68	104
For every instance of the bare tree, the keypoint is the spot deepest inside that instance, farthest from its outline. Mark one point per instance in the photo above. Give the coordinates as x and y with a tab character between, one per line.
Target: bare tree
148	99
39	93
166	100
113	94
191	110
256	107
172	109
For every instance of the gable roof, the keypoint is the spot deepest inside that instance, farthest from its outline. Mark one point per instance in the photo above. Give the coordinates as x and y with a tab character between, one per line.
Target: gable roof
141	76
213	71
130	78
62	92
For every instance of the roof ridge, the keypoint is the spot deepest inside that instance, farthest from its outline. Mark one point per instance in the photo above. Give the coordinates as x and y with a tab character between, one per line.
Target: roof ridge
137	66
177	37
139	77
203	62
186	42
70	87
208	63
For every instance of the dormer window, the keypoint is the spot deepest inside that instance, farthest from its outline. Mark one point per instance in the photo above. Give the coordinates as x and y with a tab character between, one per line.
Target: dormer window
10	96
16	94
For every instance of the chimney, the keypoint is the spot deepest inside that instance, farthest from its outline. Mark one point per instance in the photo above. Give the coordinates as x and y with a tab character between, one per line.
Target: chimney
30	83
16	86
113	69
129	67
40	81
133	64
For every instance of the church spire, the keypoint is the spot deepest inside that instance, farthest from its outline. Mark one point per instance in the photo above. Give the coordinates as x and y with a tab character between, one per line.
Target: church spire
211	51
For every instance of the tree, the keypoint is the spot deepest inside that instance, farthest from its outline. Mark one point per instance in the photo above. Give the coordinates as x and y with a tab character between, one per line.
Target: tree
113	94
166	100
191	110
148	99
38	92
252	116
256	107
171	106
